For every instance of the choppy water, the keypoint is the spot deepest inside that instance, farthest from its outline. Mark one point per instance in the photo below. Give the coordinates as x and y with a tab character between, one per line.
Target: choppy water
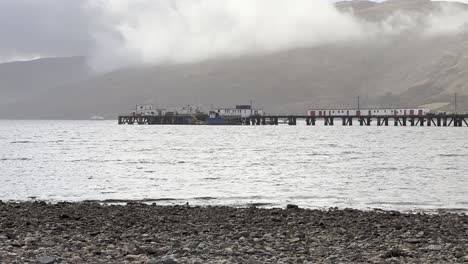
359	167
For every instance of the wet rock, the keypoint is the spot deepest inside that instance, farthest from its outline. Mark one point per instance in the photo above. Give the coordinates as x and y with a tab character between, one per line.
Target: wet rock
76	259
46	260
132	257
157	251
168	260
394	253
144	234
292	206
434	247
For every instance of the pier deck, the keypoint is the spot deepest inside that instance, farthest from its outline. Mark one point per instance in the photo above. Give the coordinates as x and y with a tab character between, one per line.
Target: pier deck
431	120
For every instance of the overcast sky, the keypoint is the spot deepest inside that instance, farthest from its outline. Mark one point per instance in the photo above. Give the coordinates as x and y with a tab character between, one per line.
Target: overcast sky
161	29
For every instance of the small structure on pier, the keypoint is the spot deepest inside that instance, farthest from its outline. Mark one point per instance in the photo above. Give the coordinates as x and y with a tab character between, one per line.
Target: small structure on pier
242	111
368	112
148	110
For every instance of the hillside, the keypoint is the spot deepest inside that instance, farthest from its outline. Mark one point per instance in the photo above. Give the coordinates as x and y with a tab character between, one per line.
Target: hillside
398	70
22	80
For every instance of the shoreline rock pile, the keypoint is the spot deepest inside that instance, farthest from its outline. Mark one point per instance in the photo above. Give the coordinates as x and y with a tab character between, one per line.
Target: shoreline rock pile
37	232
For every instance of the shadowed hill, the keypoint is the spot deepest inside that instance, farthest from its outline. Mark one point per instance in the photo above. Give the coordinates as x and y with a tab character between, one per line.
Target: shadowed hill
22	80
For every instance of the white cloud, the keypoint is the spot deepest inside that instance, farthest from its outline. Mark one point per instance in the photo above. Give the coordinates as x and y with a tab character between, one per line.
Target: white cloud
154	31
179	31
115	33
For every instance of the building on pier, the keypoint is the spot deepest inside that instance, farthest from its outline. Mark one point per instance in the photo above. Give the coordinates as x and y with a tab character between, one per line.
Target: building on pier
147	110
188	110
368	112
242	111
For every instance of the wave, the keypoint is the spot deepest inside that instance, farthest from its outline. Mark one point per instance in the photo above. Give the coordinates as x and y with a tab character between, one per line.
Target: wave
21	142
15	159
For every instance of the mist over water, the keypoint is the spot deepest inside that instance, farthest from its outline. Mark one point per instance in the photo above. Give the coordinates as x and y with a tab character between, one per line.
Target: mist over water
400	168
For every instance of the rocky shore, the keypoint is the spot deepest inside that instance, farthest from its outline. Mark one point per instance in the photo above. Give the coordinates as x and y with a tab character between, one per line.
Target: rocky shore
38	232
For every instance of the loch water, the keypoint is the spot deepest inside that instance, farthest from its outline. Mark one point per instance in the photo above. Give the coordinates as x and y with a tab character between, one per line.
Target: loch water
395	168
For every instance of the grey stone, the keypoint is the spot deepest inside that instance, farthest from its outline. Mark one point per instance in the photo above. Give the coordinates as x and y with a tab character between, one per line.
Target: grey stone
434	247
46	260
292	206
168	260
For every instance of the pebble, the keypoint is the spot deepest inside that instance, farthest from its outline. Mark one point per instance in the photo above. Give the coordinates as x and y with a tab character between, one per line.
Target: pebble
46	260
434	247
168	260
99	233
292	206
76	259
132	257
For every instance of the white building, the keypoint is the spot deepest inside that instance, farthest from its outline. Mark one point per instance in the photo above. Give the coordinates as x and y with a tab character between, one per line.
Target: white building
188	110
240	111
369	112
148	110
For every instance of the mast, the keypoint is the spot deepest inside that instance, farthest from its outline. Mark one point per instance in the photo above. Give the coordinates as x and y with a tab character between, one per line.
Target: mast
251	108
359	103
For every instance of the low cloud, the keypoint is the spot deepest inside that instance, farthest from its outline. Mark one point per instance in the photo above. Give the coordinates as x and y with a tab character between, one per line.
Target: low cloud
117	33
180	31
158	31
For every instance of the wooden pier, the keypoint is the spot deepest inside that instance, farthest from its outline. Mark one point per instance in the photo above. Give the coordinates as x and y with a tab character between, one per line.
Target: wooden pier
430	120
426	120
162	120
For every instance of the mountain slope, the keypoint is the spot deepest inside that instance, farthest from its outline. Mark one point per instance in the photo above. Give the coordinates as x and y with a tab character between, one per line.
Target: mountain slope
21	80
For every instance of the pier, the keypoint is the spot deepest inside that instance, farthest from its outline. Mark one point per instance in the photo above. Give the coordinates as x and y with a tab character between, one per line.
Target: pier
429	120
161	119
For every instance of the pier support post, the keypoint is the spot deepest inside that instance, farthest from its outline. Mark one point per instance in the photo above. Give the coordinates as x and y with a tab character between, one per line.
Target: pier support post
292	121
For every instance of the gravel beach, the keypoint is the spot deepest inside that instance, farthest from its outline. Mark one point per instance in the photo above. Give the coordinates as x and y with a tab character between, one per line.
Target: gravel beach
37	232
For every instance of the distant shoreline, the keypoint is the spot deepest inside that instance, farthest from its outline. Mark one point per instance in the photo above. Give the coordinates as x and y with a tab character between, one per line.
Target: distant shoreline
140	233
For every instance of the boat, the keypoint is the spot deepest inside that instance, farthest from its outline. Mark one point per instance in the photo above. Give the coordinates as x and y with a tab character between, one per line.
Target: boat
216	119
97	117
